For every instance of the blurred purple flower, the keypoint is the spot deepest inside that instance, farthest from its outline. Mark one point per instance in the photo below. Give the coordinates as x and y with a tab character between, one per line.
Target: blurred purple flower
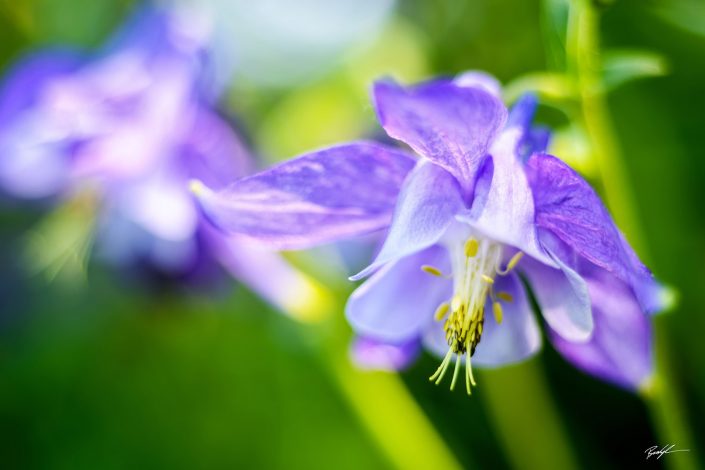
133	124
483	196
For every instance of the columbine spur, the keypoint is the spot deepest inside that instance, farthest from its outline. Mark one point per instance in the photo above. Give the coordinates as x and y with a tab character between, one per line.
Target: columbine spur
482	205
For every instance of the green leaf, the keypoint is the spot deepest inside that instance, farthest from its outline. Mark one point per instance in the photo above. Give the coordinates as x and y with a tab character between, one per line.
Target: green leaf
622	66
554	27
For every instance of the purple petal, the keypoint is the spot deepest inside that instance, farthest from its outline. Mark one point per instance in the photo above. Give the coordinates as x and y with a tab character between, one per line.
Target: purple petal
370	354
620	349
395	303
568	207
265	272
127	111
505	210
477	79
427	205
28	167
515	339
213	153
451	125
536	140
159	203
522	113
562	296
25	82
320	197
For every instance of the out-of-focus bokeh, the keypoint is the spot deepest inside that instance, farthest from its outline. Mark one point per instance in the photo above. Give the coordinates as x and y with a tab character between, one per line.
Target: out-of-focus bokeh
114	367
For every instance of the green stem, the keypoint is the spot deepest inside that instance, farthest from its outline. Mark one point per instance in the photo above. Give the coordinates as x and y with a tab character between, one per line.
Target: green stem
584	62
524	417
664	400
382	403
663	397
389	412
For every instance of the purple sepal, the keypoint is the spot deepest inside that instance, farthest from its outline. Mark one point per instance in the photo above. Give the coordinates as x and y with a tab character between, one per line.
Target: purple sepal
320	197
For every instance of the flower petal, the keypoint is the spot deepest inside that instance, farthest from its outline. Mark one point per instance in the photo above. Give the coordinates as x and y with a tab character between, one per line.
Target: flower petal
428	202
319	197
25	82
620	350
396	302
515	339
266	273
370	354
522	113
570	209
504	211
563	298
28	167
478	79
213	153
450	125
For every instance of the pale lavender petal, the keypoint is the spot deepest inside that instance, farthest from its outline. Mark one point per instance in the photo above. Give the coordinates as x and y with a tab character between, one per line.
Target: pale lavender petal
505	212
515	339
28	168
127	112
427	205
620	350
562	295
320	197
570	209
452	126
370	354
396	302
477	79
158	202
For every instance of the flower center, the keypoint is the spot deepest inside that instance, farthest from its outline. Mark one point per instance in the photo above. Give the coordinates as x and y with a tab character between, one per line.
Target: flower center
475	264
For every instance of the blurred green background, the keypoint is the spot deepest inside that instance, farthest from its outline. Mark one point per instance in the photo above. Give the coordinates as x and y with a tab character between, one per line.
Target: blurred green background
115	372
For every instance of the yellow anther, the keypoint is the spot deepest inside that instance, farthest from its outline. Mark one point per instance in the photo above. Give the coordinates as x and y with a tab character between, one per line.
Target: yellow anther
497	310
515	260
506	296
441	311
512	263
431	270
196	187
487	279
471	247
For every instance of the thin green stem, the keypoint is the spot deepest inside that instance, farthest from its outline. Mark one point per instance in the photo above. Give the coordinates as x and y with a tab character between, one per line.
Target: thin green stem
524	417
382	403
663	396
584	61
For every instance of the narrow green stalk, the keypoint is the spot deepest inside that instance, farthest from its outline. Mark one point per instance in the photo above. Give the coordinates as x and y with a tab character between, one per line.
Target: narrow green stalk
584	62
385	407
381	402
663	396
664	401
528	425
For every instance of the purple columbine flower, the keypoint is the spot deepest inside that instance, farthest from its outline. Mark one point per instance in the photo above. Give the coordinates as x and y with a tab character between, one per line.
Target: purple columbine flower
482	212
132	125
